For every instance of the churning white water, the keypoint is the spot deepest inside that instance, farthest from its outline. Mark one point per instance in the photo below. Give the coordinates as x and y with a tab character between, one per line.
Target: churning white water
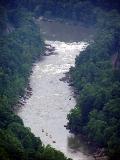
45	112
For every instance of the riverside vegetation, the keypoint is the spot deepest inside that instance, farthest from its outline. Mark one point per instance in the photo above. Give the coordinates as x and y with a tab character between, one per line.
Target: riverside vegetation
20	46
95	77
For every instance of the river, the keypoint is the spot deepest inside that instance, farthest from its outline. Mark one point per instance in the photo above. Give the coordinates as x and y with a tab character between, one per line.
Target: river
46	110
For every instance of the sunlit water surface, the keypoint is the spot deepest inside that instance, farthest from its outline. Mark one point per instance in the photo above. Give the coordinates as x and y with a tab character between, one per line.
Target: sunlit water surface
46	110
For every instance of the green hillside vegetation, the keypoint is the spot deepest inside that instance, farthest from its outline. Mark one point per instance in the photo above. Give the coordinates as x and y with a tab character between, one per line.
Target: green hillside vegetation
96	78
20	46
85	11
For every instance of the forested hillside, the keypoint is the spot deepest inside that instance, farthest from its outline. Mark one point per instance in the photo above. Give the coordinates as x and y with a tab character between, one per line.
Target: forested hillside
20	46
85	11
95	77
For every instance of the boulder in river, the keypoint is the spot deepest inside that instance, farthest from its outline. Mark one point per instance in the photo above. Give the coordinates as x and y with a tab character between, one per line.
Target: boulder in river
54	142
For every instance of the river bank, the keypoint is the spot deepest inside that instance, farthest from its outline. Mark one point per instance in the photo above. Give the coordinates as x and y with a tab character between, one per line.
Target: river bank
46	110
98	153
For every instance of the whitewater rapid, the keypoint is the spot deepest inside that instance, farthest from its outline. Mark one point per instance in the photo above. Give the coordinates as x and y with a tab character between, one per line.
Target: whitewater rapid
45	112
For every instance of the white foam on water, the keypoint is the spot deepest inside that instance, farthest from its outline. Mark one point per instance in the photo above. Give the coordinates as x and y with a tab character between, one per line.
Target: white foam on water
46	110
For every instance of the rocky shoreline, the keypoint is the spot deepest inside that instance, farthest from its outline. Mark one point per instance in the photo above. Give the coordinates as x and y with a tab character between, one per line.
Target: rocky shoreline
97	152
27	95
49	50
67	79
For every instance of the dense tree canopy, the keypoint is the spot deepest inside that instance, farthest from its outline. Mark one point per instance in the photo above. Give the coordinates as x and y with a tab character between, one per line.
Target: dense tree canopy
20	45
96	75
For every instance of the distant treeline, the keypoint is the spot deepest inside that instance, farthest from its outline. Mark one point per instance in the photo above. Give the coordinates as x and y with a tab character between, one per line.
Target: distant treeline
85	11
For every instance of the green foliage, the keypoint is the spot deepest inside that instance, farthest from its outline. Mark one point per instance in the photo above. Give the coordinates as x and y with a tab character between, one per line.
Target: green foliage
85	11
96	79
20	46
96	75
11	145
74	118
51	154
